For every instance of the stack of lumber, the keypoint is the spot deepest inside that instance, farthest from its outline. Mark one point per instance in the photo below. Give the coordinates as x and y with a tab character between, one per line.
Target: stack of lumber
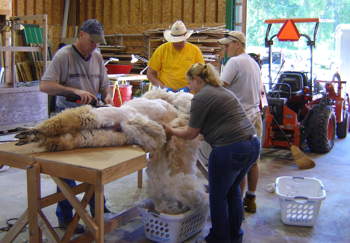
29	70
29	65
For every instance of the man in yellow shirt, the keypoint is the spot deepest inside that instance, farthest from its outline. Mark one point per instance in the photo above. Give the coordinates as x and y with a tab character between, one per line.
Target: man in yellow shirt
170	61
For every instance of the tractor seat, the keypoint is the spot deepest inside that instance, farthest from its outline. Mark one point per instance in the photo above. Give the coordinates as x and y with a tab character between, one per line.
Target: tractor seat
294	81
276	101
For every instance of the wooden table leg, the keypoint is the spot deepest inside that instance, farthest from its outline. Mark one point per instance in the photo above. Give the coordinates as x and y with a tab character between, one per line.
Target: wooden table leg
34	195
139	178
99	212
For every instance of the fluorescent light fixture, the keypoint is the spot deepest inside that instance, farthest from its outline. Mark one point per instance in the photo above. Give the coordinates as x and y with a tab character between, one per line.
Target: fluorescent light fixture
111	59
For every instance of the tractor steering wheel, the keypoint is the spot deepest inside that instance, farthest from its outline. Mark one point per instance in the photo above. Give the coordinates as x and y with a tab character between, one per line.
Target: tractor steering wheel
277	90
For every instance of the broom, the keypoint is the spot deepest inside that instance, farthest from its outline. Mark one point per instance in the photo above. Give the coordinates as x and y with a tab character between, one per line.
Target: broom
300	158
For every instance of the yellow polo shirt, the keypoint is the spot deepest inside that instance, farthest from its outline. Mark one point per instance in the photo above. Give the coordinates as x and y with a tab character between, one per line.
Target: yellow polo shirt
172	64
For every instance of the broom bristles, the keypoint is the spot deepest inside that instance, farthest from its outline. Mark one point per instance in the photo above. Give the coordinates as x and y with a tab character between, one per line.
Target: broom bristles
301	159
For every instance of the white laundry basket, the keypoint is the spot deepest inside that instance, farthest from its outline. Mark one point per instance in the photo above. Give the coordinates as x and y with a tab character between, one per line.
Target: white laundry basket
300	199
161	227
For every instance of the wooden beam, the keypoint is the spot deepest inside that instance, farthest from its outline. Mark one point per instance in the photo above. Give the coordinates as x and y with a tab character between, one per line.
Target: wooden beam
66	171
33	194
132	165
135	12
177	10
125	13
221	11
56	197
16	161
157	13
166	12
20	48
99	212
113	222
16	229
199	7
107	16
68	193
188	12
47	228
86	199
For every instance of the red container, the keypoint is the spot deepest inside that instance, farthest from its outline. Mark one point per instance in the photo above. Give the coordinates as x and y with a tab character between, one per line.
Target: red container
125	93
118	69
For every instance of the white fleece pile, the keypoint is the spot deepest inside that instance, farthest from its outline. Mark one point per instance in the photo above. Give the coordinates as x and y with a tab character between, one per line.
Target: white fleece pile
172	182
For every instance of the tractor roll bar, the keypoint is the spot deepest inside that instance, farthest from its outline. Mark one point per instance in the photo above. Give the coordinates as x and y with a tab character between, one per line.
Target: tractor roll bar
310	42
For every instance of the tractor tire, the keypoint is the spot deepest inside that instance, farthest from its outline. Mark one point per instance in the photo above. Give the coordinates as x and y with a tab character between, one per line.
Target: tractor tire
321	129
343	127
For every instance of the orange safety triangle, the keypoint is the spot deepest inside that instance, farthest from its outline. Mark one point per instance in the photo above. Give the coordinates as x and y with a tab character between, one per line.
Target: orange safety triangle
288	32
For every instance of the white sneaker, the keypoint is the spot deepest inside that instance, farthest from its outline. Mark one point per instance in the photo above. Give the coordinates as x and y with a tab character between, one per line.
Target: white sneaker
4	168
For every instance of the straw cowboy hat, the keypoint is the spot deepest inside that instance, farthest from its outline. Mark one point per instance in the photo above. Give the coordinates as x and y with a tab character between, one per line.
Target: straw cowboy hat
178	32
233	36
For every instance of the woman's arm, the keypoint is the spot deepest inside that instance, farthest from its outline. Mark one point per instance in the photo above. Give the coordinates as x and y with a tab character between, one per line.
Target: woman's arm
182	132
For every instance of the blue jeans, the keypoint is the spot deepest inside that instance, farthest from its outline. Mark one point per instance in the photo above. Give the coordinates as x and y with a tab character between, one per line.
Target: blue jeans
227	166
64	210
185	89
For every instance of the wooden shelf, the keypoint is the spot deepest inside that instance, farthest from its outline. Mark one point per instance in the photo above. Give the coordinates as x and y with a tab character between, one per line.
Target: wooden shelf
20	48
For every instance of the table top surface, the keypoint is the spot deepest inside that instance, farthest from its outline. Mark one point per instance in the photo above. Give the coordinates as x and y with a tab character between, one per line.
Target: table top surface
127	77
92	158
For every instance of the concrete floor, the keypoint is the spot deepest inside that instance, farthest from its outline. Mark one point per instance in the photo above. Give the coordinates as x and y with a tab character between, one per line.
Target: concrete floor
332	225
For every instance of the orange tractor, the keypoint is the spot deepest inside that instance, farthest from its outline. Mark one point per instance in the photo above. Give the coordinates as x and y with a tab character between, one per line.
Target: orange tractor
298	113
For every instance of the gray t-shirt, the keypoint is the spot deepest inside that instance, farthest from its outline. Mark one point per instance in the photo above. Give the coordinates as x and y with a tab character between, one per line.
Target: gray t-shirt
220	116
242	74
70	69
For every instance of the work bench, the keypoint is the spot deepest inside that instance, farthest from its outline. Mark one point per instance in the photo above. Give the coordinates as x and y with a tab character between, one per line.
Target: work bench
94	167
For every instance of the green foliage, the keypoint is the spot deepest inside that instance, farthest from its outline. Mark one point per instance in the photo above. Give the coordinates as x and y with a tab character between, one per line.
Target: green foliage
259	10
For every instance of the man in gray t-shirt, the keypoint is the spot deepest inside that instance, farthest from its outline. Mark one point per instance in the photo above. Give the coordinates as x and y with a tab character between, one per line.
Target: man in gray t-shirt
77	70
241	75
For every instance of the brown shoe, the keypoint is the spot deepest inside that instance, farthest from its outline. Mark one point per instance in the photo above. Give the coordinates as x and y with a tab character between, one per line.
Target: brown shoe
249	203
64	225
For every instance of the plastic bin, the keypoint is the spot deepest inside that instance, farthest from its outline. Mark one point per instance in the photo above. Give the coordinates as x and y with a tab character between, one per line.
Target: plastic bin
300	199
172	228
118	69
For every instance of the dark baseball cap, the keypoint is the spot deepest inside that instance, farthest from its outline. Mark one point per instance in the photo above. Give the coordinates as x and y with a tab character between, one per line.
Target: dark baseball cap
95	29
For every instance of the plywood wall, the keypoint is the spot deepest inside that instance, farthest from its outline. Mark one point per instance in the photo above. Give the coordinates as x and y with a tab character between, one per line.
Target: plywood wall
5	7
126	16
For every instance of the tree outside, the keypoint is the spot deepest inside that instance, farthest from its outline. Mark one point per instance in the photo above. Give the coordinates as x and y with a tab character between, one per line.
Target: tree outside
296	54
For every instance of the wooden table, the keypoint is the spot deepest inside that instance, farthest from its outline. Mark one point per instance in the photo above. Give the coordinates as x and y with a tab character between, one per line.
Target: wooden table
127	77
94	167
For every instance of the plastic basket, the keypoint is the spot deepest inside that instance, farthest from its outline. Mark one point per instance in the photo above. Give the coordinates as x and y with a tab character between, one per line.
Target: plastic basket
300	199
172	228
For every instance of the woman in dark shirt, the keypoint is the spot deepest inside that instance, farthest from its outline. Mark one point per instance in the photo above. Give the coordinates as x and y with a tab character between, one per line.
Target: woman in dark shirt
217	114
